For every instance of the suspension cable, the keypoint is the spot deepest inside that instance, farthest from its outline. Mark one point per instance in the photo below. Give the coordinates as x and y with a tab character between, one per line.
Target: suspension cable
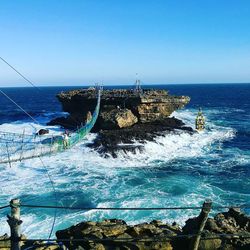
25	78
4	207
32	84
55	197
19	106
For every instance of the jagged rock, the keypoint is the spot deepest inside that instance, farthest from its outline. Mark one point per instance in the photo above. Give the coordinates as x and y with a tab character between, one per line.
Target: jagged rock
211	244
41	245
97	246
113	230
5	245
133	231
159	105
121	234
171	229
46	247
42	132
211	225
231	222
117	221
242	220
118	118
112	141
149	106
125	118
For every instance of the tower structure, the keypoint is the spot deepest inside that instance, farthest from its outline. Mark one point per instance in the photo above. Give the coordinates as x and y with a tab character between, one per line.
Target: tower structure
138	88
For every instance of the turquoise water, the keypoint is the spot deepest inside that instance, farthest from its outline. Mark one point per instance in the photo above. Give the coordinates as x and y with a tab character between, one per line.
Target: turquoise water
174	170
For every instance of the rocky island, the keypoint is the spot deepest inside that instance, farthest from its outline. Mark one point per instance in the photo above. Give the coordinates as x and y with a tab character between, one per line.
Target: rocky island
126	115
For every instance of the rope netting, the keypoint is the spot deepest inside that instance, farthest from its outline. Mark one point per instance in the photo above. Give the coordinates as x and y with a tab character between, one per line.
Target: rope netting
16	147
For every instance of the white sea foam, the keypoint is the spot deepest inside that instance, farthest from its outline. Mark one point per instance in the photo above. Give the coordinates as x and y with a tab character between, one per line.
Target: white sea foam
81	176
175	146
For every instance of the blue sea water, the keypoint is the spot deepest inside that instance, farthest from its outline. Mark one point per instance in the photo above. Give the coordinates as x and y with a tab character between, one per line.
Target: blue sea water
174	170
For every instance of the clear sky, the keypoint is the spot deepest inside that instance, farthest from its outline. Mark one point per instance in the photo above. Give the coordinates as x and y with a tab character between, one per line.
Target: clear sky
59	42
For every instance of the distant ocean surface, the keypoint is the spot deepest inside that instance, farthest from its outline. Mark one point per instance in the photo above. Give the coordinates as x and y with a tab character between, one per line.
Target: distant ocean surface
174	170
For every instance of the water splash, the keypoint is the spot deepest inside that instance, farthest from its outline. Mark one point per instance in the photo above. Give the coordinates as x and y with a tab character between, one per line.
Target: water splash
176	169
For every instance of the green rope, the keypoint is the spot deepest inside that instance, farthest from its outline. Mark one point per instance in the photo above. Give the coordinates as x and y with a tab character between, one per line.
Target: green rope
53	146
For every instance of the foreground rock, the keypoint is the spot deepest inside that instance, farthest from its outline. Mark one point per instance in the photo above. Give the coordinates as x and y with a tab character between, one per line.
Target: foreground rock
125	115
123	236
226	231
116	234
4	242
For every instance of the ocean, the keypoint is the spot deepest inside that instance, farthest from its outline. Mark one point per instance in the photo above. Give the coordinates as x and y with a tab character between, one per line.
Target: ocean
174	170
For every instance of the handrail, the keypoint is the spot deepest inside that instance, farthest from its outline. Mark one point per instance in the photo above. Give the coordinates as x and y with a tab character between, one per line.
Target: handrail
131	208
46	146
128	208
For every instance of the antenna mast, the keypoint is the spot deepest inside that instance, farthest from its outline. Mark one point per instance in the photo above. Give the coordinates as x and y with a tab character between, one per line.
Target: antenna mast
138	87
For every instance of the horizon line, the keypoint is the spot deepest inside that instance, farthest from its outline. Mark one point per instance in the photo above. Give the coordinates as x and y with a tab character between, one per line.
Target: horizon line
126	84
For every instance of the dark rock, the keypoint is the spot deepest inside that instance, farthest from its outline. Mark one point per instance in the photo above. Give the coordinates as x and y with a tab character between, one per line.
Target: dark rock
211	244
122	222
113	230
42	132
111	141
133	231
4	242
231	222
114	234
241	219
212	226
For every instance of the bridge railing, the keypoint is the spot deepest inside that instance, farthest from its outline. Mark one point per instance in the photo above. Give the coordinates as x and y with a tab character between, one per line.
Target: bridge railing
17	147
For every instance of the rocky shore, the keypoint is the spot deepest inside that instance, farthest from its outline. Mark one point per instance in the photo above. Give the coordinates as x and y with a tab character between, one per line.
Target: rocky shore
160	235
225	231
125	116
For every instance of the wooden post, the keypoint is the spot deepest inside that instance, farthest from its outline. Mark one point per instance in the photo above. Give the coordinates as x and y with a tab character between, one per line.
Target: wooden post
14	223
8	153
21	154
207	205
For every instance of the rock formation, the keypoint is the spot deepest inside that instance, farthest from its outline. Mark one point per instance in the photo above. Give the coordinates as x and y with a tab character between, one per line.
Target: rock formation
160	235
123	236
149	106
125	115
4	242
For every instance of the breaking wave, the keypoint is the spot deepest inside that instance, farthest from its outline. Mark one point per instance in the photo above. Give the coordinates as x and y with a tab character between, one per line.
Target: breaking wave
176	169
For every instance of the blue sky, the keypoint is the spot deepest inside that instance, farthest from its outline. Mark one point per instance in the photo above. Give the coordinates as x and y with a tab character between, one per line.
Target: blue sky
164	41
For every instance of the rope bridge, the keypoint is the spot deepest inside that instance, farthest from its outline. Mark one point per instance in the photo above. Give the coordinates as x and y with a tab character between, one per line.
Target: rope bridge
17	147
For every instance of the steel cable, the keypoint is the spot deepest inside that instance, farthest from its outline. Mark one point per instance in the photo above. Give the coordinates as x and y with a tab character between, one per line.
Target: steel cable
131	208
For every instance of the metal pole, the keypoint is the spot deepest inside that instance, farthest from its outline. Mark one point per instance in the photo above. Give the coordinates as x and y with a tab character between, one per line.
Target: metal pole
8	153
207	205
21	154
14	223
